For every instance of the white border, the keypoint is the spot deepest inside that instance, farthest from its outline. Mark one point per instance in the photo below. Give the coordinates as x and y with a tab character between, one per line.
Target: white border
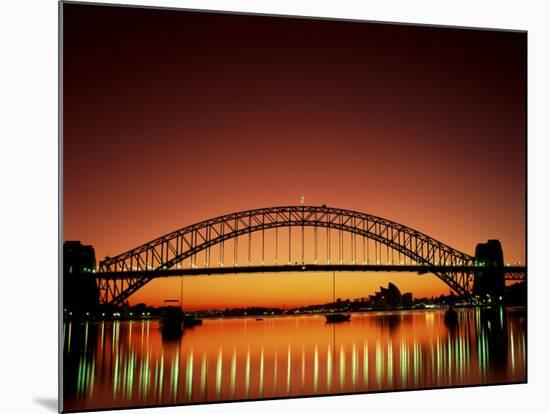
28	170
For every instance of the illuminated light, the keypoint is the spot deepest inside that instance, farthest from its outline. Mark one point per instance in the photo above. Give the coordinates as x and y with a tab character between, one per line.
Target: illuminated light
103	314
70	313
233	371
303	268
219	366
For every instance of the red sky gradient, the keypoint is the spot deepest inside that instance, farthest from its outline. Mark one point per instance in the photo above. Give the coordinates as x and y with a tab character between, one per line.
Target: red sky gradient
173	117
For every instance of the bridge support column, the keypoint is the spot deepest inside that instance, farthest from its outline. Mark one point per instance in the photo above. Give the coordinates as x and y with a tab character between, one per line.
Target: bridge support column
490	280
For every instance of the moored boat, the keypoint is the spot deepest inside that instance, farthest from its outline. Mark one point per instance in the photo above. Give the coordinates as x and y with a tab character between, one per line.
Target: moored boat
337	317
190	321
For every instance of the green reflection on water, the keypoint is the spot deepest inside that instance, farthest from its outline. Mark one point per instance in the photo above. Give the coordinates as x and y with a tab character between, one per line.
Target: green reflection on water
315	369
404	362
366	362
354	365
342	369
329	368
219	374
121	358
261	387
204	368
247	373
275	373
233	371
379	364
288	367
390	364
189	376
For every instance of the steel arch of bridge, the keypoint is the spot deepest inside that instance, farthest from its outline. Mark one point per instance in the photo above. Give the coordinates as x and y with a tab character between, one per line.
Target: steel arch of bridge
167	251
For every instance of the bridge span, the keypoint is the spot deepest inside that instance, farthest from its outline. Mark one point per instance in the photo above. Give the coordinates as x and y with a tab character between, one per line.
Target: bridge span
302	239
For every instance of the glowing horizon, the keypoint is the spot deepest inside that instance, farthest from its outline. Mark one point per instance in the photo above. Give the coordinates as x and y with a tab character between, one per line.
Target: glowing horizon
375	118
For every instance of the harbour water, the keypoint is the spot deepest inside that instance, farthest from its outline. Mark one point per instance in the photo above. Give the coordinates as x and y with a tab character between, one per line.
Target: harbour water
130	363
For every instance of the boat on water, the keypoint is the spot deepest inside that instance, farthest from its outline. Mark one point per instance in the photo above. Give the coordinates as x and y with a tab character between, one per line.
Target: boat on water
189	321
336	317
173	320
171	323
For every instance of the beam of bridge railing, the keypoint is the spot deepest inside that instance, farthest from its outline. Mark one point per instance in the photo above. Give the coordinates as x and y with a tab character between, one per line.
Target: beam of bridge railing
514	272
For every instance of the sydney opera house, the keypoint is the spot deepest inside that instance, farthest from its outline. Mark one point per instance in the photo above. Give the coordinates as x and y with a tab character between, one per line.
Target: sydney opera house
390	297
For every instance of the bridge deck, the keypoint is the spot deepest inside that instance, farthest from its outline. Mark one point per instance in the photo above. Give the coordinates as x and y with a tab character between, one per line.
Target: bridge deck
511	272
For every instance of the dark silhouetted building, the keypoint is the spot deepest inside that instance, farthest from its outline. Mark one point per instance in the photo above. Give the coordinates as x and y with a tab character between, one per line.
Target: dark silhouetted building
407	300
490	280
80	292
390	297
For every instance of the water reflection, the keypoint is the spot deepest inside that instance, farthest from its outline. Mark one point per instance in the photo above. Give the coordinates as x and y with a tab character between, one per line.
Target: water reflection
117	364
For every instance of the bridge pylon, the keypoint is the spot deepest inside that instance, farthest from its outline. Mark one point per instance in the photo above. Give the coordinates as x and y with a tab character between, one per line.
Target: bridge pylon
489	280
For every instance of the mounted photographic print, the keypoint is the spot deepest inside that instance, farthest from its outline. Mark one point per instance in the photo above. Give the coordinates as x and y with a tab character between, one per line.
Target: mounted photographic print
260	207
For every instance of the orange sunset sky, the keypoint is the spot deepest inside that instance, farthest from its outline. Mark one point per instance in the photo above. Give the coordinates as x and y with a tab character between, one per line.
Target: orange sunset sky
174	117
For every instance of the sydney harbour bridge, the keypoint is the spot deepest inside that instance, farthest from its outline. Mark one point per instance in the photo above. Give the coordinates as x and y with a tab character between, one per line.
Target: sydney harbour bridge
303	239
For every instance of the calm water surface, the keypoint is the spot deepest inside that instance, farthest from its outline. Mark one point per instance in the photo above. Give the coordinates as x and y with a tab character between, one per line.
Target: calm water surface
118	364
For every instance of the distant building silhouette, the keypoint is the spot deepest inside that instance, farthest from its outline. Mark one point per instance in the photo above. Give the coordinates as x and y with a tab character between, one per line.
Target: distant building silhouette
390	297
80	292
